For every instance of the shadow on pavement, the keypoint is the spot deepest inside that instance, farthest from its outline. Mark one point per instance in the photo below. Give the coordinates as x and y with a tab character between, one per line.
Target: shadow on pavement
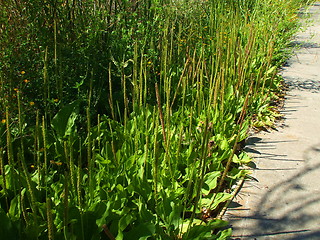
304	44
305	85
294	204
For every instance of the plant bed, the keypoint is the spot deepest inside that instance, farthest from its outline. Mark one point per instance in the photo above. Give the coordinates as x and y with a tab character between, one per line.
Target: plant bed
124	120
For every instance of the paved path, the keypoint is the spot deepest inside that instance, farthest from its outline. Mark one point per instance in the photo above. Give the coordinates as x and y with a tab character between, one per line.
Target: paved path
285	202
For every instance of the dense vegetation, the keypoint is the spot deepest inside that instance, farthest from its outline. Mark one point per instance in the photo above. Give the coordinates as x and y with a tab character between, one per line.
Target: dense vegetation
124	119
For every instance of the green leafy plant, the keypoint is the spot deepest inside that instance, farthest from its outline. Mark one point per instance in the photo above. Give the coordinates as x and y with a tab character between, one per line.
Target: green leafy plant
126	119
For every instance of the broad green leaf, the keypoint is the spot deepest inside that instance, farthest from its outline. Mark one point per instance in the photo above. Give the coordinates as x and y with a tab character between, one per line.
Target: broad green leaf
235	159
120	236
174	216
229	92
6	228
271	70
144	212
217	223
224	144
142	232
244	130
259	124
87	223
236	173
63	122
268	122
210	181
15	210
101	160
124	221
198	232
224	234
245	158
217	199
102	211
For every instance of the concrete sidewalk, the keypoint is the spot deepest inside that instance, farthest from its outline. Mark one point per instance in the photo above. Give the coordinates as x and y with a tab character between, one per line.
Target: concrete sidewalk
285	202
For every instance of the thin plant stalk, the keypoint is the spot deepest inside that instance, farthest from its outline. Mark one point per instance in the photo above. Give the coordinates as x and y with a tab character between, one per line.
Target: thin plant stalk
45	155
50	219
3	174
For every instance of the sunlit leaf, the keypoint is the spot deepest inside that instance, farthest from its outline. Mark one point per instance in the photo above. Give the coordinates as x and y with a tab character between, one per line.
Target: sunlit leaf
64	121
215	200
210	181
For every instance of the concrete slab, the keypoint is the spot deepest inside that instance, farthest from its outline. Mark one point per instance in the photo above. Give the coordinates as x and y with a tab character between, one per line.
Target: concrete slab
284	202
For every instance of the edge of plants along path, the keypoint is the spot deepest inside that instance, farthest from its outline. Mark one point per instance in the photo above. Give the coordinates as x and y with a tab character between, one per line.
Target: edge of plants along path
282	199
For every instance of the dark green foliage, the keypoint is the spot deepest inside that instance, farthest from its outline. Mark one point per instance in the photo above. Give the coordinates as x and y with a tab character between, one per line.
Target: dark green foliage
125	119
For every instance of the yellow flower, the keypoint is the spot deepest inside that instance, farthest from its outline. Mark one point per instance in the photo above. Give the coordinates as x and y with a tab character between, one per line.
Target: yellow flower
32	166
26	80
56	163
3	121
22	72
31	103
56	100
16	89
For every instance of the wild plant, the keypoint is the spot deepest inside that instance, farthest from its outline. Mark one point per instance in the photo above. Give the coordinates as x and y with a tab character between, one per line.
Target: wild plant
124	119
